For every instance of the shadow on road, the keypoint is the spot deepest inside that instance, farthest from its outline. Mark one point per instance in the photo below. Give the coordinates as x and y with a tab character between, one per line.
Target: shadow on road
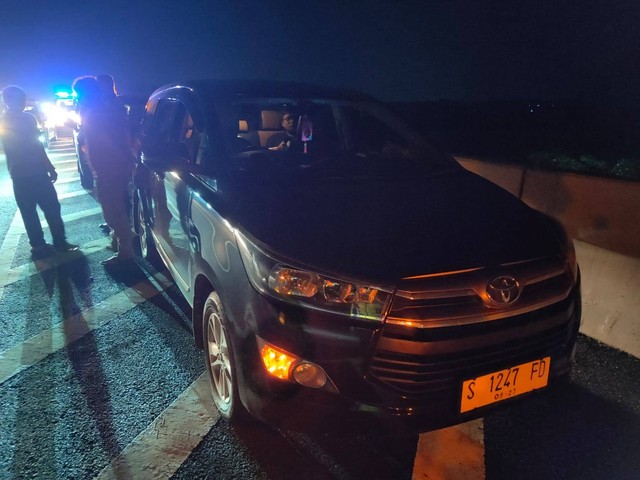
75	278
257	451
39	436
587	429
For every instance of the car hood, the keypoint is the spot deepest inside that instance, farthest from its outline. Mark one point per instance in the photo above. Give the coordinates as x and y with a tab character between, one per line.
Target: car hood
383	231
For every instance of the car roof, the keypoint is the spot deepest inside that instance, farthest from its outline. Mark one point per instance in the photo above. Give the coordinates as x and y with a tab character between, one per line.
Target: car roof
265	88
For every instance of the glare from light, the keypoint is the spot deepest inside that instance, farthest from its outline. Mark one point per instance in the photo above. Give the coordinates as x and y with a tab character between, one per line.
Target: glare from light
56	114
276	361
6	189
289	281
64	94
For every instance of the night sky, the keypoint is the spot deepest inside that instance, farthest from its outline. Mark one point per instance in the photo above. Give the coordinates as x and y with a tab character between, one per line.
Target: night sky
467	50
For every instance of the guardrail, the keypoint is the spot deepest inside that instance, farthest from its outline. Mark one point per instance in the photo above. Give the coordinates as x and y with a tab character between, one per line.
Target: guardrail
603	216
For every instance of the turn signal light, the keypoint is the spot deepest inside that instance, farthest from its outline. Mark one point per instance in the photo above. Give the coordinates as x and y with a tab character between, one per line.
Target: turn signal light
286	366
277	361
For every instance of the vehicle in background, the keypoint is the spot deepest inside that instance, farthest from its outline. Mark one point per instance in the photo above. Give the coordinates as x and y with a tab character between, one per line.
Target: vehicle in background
84	170
45	126
351	269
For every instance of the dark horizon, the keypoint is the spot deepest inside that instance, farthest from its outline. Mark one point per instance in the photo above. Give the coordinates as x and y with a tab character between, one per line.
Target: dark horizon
459	50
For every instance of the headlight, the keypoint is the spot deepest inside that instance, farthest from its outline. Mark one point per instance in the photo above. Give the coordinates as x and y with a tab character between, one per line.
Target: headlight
300	286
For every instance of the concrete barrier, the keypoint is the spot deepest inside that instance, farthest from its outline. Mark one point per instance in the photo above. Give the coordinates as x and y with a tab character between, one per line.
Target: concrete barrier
610	297
604	212
603	216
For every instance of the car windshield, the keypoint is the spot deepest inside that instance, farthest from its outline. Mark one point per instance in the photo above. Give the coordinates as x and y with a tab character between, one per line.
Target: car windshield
325	138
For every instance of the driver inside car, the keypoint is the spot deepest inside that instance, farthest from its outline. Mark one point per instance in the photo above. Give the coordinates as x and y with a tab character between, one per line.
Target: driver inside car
286	139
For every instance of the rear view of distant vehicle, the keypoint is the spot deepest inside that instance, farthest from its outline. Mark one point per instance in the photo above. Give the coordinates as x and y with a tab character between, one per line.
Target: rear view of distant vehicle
45	126
86	175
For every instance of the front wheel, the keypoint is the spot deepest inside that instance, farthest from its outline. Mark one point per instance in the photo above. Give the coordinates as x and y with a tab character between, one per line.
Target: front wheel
220	360
146	244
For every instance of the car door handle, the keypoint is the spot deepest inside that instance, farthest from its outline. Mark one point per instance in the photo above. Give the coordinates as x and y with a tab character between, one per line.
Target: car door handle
194	237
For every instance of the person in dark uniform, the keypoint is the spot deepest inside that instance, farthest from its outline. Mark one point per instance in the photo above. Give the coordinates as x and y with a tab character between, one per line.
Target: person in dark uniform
32	174
111	156
110	97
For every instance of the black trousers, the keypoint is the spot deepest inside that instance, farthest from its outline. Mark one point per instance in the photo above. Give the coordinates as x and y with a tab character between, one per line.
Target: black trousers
38	191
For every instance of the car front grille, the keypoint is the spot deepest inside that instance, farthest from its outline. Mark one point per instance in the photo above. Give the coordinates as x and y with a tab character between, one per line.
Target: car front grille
458	298
442	329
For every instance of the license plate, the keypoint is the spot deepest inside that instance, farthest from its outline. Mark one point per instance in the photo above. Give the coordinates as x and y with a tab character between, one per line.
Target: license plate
497	386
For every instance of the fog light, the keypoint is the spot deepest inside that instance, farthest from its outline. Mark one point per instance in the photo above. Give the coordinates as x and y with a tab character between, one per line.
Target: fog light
309	375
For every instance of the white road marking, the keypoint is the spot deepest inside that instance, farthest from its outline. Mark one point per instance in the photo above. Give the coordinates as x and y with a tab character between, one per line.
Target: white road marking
37	348
75	193
160	449
10	244
454	453
63	181
73	161
71	169
12	275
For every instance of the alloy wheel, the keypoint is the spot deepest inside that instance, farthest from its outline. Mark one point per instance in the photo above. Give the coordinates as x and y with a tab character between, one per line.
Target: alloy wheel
219	361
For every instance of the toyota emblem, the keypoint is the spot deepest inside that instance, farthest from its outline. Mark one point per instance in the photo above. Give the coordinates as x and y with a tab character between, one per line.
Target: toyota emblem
503	290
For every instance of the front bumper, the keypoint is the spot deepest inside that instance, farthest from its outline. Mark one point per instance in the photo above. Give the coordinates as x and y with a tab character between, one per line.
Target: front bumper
407	379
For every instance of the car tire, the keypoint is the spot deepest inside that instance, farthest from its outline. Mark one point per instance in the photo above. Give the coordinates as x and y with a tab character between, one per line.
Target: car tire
220	361
145	244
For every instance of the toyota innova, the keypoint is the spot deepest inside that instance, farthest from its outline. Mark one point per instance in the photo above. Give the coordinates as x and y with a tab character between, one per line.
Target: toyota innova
348	269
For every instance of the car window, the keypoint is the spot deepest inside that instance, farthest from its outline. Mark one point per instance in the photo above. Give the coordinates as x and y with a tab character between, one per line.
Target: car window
340	138
366	133
164	125
174	123
189	134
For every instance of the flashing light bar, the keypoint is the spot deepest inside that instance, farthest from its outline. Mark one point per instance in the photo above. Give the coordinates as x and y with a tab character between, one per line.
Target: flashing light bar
64	94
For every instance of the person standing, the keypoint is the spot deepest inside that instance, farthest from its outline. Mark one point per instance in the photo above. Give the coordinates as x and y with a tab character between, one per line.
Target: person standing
110	96
107	87
111	157
32	174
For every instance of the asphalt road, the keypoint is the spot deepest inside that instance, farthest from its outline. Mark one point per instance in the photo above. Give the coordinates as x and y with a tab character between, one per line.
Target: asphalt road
99	377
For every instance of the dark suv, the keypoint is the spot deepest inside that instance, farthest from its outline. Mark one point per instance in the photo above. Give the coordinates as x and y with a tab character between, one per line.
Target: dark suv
351	267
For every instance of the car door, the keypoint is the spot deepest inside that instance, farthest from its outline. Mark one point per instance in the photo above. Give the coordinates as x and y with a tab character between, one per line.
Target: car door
169	192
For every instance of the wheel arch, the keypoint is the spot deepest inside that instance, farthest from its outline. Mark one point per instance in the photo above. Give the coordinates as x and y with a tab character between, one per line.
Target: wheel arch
202	287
